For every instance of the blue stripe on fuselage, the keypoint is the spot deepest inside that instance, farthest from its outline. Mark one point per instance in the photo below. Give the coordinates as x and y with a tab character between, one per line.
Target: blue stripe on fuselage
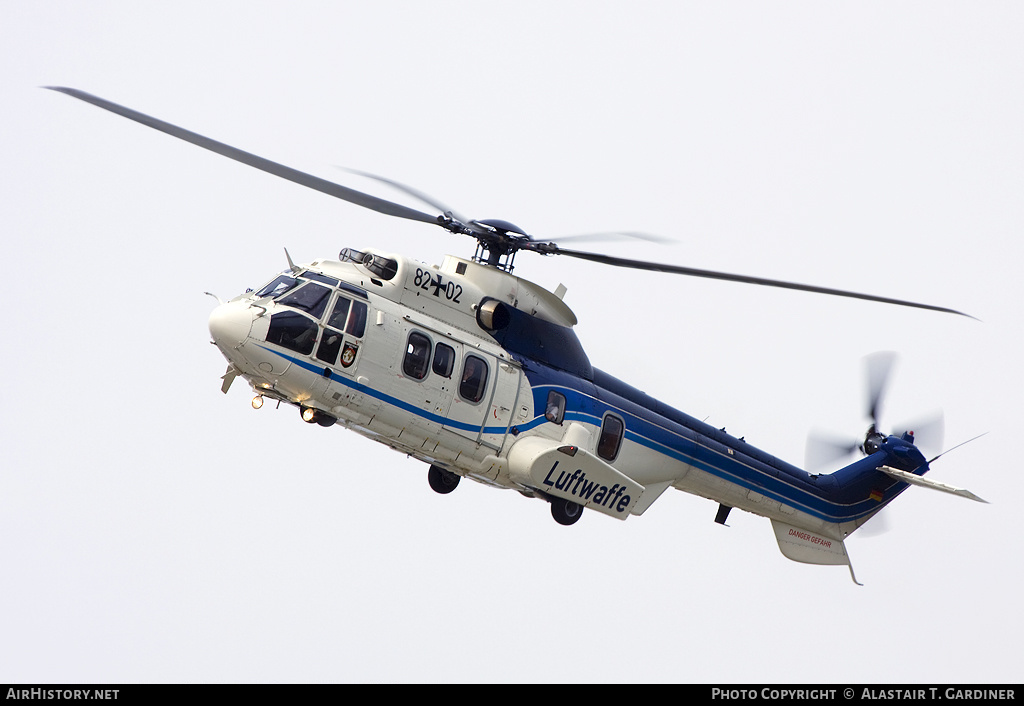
388	399
687	440
693	443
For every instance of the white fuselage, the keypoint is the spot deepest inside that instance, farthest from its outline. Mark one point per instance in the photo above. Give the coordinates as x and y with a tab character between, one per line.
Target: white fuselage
406	361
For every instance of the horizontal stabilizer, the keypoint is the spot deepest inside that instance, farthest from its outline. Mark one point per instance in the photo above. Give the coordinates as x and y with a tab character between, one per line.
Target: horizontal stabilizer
928	483
810	548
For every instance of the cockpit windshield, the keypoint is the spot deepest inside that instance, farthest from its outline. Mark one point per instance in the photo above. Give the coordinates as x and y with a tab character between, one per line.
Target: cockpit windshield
278	287
310	297
309	274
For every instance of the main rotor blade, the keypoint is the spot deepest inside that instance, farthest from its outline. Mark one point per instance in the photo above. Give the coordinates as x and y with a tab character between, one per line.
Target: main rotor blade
308	180
615	235
415	193
551	249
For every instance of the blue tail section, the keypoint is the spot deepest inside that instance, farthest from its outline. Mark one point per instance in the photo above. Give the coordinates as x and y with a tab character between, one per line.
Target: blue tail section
865	488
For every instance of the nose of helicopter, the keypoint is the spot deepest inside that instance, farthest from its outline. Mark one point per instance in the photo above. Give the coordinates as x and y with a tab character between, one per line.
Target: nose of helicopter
230	324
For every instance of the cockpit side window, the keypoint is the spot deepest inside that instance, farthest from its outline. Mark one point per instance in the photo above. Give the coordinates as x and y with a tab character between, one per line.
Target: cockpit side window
330	345
310	297
340	313
357	320
350	316
293	331
278	287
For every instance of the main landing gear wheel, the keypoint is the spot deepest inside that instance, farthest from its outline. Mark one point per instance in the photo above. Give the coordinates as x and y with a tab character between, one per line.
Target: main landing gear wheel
442	481
565	512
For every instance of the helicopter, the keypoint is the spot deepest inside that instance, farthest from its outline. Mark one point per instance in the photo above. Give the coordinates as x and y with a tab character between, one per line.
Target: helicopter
478	373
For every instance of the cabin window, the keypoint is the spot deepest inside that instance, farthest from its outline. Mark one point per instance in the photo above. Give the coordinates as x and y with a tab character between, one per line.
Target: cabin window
554	410
310	297
611	437
278	287
293	331
339	315
330	345
349	316
444	360
474	379
417	356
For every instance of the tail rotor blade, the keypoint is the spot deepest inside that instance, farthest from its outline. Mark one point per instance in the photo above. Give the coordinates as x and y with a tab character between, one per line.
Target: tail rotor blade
928	432
879	366
879	524
824	451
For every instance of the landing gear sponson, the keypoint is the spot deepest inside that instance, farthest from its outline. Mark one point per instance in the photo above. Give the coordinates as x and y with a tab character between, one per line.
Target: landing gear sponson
444	481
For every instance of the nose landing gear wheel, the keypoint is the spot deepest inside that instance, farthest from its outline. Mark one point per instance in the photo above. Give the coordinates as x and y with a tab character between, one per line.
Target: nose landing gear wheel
442	481
565	512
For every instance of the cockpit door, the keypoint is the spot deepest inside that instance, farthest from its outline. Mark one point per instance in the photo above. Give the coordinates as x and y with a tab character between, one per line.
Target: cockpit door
338	347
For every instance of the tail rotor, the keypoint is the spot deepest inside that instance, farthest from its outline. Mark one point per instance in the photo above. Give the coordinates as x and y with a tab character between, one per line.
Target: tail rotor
825	450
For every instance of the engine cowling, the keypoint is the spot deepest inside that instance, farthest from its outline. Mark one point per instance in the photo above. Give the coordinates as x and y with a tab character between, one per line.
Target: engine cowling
493	315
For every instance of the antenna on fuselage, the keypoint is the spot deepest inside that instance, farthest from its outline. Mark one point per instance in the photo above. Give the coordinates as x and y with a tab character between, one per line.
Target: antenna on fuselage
291	265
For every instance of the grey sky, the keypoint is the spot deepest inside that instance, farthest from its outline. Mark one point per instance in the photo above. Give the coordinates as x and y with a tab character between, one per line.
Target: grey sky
153	529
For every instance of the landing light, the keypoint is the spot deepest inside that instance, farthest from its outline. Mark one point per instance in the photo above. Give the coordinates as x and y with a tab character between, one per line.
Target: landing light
257	401
308	414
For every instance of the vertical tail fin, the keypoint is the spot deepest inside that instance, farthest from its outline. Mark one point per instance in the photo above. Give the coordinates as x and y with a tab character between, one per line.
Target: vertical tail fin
810	548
